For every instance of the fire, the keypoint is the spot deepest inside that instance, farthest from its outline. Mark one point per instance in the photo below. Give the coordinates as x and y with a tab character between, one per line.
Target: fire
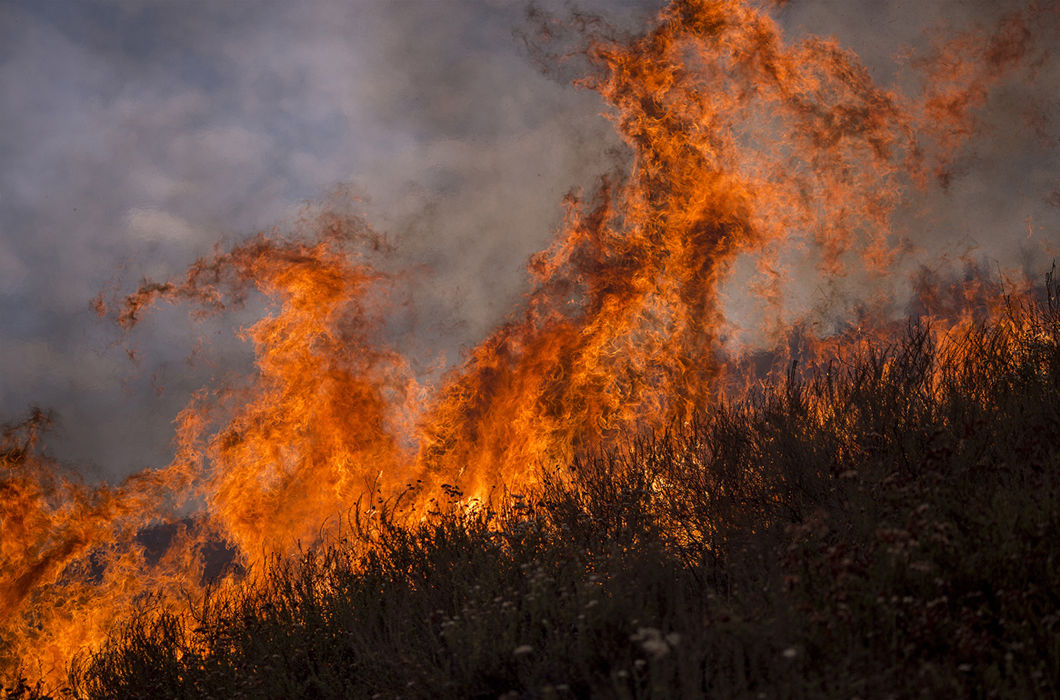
745	150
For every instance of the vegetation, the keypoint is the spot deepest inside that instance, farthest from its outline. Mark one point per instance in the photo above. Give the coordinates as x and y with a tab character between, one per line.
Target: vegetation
884	526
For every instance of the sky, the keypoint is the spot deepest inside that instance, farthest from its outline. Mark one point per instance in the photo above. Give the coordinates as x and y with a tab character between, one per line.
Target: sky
139	133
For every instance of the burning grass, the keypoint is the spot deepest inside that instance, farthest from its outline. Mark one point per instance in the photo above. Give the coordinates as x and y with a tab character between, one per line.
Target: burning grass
881	525
880	521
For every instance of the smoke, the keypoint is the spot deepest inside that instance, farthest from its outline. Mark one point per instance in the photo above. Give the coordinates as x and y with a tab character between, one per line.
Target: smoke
139	134
994	205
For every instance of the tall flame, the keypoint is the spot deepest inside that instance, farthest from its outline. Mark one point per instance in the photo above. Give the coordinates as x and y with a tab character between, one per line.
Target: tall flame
744	149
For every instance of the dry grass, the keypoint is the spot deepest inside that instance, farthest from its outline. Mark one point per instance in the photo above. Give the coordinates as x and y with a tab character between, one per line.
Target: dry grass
883	527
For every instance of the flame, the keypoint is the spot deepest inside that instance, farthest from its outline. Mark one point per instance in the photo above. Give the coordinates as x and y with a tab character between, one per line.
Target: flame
746	150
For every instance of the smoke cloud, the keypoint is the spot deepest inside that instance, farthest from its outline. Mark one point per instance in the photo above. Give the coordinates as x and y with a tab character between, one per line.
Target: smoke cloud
138	134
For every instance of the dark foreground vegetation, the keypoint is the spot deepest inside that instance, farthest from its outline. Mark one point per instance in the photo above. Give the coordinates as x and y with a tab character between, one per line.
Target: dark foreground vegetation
887	526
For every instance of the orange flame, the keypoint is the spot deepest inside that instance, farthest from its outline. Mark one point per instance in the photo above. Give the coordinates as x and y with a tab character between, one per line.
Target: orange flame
743	147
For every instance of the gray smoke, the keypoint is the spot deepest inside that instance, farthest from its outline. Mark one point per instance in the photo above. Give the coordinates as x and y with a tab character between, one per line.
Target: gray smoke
137	134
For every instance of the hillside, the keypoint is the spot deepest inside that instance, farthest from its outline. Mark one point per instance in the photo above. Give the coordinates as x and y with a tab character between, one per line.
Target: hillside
885	525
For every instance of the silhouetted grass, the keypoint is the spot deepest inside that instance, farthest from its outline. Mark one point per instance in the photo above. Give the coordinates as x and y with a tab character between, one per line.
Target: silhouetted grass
884	526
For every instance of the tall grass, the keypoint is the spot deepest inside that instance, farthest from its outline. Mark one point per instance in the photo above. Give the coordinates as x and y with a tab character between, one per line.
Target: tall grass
886	525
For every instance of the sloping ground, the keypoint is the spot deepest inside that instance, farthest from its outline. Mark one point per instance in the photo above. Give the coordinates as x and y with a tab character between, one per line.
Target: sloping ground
884	526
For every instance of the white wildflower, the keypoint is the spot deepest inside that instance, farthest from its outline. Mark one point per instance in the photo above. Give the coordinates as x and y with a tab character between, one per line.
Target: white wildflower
651	641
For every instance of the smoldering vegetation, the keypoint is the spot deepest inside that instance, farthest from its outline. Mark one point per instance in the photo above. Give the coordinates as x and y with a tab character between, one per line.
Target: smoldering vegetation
884	524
